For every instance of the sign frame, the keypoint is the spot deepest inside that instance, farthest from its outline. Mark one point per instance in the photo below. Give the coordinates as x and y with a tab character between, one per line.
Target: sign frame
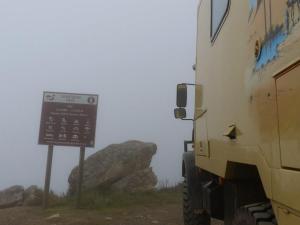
61	106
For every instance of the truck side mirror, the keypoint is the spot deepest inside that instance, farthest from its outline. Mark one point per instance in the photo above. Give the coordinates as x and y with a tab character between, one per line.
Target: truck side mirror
180	113
181	95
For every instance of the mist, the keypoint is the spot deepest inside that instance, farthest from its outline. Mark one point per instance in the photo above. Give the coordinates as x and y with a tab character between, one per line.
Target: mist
130	52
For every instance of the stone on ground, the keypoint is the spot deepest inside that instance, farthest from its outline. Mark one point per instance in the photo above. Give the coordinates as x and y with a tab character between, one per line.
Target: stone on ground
123	166
33	196
11	197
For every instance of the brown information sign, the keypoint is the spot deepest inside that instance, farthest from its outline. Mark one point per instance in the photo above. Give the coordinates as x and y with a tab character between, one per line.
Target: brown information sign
68	119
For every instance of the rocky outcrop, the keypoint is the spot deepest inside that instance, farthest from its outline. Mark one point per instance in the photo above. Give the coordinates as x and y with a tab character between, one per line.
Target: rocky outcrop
33	196
18	196
123	166
11	197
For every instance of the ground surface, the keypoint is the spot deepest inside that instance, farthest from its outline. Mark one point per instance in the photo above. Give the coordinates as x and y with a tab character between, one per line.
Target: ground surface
161	215
161	209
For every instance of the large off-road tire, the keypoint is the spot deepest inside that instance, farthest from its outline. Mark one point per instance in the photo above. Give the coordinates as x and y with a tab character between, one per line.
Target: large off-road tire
256	214
190	215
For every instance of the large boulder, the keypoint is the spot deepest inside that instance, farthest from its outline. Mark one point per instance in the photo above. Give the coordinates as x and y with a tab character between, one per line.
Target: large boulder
142	180
11	197
123	166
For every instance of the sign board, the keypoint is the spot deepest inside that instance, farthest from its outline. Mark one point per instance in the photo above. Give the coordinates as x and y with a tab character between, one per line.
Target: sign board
68	119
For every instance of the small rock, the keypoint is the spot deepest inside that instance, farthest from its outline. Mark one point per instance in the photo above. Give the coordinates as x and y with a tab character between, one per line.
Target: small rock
108	218
55	216
155	222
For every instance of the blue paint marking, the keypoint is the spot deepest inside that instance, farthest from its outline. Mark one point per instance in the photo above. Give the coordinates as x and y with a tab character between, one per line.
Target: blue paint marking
269	50
252	4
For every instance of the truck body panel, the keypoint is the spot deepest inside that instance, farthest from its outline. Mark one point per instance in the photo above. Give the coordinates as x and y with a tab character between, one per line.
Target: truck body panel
250	79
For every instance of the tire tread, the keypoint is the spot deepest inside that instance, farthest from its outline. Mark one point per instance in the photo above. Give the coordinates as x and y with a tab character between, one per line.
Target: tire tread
190	217
255	214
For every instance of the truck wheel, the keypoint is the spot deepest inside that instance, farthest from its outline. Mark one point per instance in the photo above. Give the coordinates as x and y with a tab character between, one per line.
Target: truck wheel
190	216
256	214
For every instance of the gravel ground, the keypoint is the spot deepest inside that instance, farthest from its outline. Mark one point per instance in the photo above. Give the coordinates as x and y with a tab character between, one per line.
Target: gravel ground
169	214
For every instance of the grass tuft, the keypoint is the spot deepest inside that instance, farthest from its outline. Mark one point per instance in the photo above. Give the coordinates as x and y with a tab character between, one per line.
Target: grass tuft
103	199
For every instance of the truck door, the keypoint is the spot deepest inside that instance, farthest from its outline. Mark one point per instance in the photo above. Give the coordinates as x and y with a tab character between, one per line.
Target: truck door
211	16
286	16
288	95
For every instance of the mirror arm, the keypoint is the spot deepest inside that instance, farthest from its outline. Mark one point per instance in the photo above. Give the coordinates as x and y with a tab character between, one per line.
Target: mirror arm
188	119
189	84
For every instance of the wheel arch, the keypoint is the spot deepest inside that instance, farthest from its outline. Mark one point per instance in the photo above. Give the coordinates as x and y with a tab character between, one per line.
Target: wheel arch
239	171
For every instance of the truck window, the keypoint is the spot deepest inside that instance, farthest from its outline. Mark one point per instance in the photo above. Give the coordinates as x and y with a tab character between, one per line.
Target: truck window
219	10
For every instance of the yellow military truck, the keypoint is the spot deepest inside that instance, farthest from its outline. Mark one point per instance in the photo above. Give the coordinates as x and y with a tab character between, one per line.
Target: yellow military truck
245	164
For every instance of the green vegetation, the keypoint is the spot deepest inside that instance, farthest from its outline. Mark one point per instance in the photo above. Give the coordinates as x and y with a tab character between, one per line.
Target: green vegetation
106	199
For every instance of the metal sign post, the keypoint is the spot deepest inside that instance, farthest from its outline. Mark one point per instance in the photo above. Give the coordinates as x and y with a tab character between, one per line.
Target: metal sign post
48	176
67	119
80	175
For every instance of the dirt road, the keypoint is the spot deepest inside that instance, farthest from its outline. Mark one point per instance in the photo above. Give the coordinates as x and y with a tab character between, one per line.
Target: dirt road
104	208
169	214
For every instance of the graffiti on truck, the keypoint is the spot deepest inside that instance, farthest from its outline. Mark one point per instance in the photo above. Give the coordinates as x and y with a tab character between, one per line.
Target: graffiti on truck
276	34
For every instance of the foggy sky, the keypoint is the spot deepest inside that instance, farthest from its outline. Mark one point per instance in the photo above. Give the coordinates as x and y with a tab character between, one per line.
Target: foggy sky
130	52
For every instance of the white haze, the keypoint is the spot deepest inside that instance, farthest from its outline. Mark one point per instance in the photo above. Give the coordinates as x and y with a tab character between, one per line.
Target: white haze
130	52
